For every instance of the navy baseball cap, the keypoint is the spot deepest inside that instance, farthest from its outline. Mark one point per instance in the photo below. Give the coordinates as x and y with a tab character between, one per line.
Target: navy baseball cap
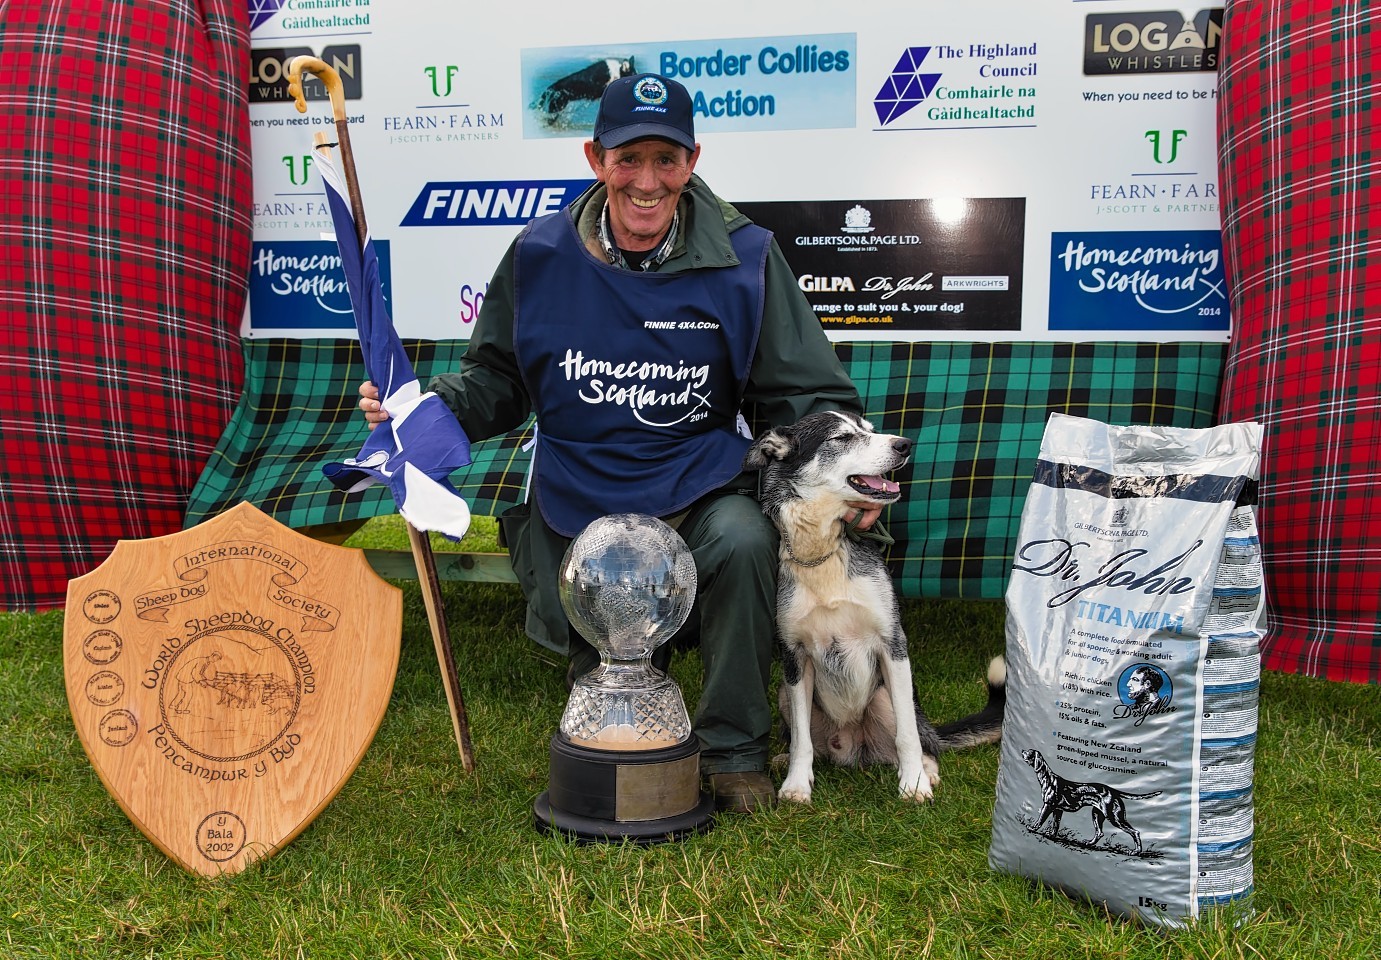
646	105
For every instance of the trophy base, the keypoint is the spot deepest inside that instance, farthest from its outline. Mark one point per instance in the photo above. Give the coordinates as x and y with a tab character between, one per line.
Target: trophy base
646	796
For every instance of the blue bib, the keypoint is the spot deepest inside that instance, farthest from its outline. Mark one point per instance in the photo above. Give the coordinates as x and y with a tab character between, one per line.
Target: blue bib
636	378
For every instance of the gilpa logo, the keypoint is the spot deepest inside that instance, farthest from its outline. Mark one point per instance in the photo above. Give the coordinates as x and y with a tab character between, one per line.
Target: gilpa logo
268	72
905	87
1160	41
813	284
490	203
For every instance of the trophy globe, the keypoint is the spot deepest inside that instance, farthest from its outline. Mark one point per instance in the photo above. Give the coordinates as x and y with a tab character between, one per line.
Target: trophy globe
624	763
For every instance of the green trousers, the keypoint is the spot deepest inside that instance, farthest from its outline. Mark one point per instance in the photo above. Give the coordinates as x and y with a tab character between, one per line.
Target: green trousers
732	622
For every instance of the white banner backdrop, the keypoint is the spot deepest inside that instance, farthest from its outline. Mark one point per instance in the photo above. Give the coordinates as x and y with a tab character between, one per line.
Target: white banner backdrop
993	170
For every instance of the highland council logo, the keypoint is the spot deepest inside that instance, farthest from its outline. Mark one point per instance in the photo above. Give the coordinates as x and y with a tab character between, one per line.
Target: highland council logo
262	11
905	87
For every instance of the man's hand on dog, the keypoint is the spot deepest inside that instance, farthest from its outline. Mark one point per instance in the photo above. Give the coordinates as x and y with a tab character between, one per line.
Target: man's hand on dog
373	409
867	513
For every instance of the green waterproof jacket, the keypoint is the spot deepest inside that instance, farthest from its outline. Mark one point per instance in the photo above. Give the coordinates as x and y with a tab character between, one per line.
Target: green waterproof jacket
794	372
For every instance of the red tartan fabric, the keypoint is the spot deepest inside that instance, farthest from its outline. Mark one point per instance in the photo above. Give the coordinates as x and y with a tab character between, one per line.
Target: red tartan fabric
1299	167
125	225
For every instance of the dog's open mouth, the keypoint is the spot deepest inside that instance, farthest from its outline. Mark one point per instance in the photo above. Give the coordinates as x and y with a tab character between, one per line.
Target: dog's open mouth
875	488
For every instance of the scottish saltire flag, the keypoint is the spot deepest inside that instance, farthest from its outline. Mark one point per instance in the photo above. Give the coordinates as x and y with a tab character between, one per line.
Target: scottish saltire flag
415	450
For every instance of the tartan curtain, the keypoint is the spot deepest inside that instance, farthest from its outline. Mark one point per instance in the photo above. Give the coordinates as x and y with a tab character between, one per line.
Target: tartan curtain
1299	159
975	410
125	227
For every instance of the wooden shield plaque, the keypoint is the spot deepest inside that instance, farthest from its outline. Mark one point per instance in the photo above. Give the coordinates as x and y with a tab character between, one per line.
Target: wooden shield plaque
226	681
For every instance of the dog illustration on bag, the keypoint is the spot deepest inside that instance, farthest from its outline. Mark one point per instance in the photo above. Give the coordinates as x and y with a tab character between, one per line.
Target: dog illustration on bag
1060	796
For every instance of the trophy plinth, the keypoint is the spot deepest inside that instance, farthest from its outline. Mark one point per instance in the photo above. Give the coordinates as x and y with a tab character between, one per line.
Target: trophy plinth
624	763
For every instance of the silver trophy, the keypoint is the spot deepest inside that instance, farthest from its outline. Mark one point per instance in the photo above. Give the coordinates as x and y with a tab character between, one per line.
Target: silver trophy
624	763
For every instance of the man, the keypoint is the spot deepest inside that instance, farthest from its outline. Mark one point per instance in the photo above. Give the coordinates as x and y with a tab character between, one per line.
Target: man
1143	687
637	324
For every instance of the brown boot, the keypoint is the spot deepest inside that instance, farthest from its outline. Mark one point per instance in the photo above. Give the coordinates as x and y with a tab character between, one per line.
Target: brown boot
742	792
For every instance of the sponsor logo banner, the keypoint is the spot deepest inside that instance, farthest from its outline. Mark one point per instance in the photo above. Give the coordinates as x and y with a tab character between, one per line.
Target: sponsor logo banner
268	72
955	86
471	203
317	16
1159	41
889	265
1138	280
745	84
299	285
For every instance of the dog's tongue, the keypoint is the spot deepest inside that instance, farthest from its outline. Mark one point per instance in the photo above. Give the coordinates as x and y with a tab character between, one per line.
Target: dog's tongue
879	483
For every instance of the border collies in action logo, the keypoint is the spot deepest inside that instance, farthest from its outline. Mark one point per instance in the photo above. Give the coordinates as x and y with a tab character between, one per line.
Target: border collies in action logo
583	87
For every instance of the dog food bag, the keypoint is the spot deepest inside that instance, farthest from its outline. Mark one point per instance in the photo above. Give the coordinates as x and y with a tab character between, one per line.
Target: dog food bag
1134	614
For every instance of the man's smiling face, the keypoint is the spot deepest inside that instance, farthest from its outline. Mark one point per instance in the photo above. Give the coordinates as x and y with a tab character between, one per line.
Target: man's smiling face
645	179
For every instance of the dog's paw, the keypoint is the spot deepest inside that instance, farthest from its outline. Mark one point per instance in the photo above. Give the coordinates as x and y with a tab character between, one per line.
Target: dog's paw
795	789
779	761
932	770
915	785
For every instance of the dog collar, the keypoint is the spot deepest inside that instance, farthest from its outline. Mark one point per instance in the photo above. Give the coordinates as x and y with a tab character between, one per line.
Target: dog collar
876	532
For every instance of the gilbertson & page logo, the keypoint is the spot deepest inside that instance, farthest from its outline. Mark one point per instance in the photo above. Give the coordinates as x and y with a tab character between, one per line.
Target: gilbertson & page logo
856	234
1160	41
268	73
1138	280
441	118
981	81
490	203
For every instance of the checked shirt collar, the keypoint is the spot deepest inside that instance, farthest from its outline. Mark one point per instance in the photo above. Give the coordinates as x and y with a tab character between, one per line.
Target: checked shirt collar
606	242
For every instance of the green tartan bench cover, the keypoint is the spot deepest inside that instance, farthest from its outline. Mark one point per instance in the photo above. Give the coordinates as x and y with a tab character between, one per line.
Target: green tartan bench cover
975	410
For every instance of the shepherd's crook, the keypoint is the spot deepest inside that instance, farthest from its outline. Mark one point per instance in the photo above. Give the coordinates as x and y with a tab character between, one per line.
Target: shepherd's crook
421	545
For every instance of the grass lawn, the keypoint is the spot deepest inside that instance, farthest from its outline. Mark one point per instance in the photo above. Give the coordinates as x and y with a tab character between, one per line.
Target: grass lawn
415	858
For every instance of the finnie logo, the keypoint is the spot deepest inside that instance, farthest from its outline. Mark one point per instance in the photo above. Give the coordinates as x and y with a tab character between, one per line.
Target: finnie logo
650	91
1160	41
905	87
268	72
489	203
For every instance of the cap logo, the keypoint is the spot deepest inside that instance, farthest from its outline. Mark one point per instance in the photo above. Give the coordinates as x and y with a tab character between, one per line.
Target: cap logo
650	91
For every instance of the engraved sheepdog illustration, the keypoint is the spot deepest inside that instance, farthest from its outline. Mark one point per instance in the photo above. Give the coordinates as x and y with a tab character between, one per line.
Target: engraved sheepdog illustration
848	693
1060	796
585	85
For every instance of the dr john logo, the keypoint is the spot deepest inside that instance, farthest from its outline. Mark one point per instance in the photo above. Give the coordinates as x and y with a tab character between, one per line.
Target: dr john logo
1145	691
1160	41
1138	280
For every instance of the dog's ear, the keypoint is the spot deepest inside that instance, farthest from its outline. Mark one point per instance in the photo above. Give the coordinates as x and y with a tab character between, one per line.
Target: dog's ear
774	444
